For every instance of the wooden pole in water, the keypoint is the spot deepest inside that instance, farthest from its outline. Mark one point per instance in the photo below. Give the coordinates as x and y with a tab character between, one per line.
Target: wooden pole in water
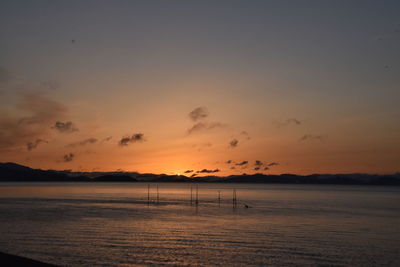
148	193
191	196
158	197
233	198
219	198
197	195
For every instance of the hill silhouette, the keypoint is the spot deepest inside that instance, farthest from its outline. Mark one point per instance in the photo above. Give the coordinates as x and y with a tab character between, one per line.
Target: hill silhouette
13	172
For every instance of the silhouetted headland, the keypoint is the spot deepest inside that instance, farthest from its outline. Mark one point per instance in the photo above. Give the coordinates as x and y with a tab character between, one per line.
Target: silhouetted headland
12	172
12	260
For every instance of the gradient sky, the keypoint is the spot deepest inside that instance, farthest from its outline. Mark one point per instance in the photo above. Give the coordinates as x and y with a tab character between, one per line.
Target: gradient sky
311	85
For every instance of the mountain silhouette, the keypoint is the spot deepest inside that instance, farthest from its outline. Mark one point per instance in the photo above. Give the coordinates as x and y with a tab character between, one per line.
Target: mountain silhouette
13	172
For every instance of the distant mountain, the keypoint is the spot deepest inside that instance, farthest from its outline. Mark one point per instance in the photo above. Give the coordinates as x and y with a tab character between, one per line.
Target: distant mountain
344	179
114	178
12	172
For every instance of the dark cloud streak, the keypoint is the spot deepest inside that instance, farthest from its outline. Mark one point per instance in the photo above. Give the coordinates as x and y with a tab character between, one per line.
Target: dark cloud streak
83	142
32	145
289	121
203	126
198	114
42	111
233	143
258	163
310	137
208	171
68	157
65	127
137	137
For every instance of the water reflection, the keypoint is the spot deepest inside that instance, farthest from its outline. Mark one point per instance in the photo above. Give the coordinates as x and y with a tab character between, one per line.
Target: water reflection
134	224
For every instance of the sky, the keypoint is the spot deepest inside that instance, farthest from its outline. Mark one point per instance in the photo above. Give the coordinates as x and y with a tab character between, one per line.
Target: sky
201	87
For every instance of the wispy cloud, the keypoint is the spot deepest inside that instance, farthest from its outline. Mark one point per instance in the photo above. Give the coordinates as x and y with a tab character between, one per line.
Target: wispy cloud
106	139
204	126
83	142
188	171
293	121
258	163
233	143
32	145
202	146
208	171
137	137
290	121
198	114
310	137
65	127
245	162
68	157
17	131
245	134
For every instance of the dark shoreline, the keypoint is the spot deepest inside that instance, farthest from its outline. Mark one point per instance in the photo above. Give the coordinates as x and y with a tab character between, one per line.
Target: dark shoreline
12	172
13	260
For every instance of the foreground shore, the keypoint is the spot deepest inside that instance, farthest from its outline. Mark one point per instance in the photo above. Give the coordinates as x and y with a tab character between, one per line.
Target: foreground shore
12	260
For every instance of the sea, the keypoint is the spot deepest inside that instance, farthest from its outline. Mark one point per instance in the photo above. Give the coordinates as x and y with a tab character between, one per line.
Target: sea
200	224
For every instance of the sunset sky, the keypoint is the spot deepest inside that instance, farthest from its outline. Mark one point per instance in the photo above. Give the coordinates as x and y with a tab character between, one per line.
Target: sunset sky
169	86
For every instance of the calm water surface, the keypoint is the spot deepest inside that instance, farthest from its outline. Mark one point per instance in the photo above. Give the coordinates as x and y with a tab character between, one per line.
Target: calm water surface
112	224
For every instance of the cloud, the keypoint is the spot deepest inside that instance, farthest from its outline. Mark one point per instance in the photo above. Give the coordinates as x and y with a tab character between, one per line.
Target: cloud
245	134
106	139
17	131
293	121
34	144
234	143
41	107
68	157
203	126
83	142
64	127
229	161
233	168
257	168
266	168
188	171
202	146
273	164
208	171
242	163
193	175
198	114
258	163
290	121
310	137
137	137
